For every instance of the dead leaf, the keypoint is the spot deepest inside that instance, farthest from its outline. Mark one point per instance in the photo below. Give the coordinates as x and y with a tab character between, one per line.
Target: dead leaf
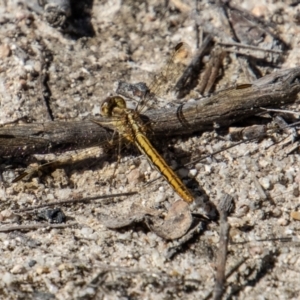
176	223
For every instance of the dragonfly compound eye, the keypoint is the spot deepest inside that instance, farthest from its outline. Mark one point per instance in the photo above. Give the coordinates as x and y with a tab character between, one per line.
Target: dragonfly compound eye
112	106
119	102
106	108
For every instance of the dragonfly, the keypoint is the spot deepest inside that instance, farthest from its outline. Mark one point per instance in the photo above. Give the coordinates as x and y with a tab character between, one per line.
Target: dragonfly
129	124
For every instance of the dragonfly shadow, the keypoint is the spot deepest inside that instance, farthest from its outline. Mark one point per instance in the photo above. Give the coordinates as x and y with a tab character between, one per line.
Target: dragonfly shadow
80	20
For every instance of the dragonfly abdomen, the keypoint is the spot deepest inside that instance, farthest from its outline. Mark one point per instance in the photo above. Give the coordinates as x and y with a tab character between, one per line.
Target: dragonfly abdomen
156	159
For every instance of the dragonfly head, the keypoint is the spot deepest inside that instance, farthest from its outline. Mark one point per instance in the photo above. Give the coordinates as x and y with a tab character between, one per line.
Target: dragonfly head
113	106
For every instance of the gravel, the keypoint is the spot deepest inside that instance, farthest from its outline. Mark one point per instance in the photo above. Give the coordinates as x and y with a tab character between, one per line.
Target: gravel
131	42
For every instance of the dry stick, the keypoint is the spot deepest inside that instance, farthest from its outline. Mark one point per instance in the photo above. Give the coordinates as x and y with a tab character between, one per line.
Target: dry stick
74	201
211	72
231	271
182	81
224	208
221	109
34	226
250	47
43	88
284	111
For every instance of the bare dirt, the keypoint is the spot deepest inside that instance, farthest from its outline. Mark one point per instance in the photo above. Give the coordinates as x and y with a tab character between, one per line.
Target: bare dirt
63	74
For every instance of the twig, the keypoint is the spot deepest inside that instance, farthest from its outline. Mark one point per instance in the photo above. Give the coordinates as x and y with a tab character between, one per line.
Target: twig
250	47
74	201
224	208
35	226
221	109
228	274
284	111
258	186
182	82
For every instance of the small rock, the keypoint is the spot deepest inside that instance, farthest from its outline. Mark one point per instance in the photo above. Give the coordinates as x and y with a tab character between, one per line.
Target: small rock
7	214
295	215
31	263
242	210
193	173
64	266
134	177
283	222
7	278
22	84
296	191
61	267
5	51
276	212
18	269
255	250
87	292
42	270
265	182
182	172
86	232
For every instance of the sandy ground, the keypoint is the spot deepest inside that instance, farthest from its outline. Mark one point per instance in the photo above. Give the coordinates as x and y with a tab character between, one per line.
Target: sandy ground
107	41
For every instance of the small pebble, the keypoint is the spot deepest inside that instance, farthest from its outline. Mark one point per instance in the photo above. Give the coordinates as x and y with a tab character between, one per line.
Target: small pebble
4	51
276	212
85	293
295	215
42	270
134	176
31	263
255	250
7	214
182	172
265	182
86	231
283	222
18	269
7	278
242	210
193	173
